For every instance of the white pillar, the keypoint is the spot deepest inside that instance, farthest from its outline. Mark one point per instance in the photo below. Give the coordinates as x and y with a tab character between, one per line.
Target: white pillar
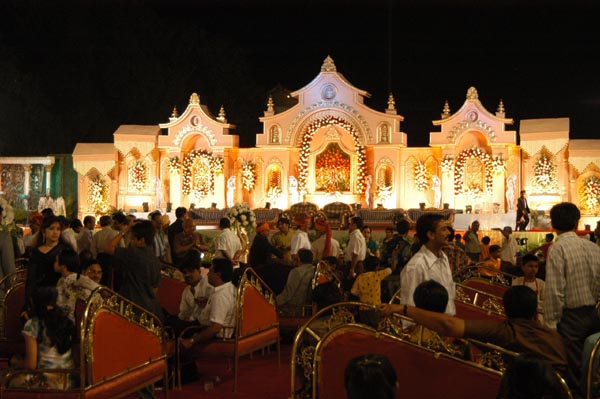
48	174
26	186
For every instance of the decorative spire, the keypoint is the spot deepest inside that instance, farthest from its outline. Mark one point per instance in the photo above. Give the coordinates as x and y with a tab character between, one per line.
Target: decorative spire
328	65
472	94
174	114
500	111
391	108
446	110
222	116
270	105
194	99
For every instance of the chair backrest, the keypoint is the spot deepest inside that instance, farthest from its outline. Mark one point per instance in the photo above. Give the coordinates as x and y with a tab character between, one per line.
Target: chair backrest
474	303
590	380
12	305
169	294
255	305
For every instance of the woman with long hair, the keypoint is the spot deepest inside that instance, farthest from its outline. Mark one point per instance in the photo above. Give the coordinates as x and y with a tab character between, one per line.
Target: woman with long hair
40	269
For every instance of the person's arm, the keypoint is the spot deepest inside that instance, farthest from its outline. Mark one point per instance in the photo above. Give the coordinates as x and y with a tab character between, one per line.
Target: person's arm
114	243
441	323
31	349
203	335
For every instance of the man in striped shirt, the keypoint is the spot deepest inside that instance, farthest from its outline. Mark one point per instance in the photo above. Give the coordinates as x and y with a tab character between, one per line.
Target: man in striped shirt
572	284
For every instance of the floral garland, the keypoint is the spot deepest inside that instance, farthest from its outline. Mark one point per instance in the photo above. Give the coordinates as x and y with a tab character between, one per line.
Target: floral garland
459	170
446	165
421	176
241	217
215	163
498	165
174	165
248	175
98	196
305	149
590	194
544	174
138	175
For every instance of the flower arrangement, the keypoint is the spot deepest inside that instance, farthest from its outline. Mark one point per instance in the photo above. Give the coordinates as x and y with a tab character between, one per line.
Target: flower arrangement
203	179
544	174
274	193
590	194
383	193
498	165
361	167
421	176
248	175
474	193
241	217
174	165
138	175
459	169
446	165
332	170
98	196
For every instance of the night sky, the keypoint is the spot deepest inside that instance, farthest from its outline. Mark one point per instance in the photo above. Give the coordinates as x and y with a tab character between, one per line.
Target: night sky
73	71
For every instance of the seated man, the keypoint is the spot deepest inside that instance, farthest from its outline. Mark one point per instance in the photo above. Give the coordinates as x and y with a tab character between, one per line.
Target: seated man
520	332
297	289
218	317
494	262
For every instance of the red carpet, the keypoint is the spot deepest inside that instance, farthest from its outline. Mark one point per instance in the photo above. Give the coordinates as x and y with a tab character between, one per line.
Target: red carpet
258	378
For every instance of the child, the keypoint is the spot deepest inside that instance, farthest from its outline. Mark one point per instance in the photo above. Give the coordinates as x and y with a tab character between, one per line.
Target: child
367	287
530	268
493	262
71	286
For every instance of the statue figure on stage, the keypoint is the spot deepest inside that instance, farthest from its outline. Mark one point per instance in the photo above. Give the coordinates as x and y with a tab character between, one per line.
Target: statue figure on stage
159	192
436	185
230	191
293	188
368	197
511	182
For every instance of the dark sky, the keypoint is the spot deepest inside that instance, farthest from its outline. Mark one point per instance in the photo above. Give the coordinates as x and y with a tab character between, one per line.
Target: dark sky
73	71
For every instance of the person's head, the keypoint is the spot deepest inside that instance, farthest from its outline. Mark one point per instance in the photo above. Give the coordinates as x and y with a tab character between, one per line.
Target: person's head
520	302
221	272
389	232
485	240
93	270
321	226
67	259
523	193
366	232
164	222
530	266
475	226
495	251
305	256
131	219
64	222
431	295
76	225
56	325
332	261
189	227
356	222
564	216
370	263
402	227
432	228
302	221
326	294
224	223
35	220
283	224
47	212
105	220
263	229
530	377
190	267
180	212
507	231
50	229
142	233
370	376
549	237
119	220
89	222
155	217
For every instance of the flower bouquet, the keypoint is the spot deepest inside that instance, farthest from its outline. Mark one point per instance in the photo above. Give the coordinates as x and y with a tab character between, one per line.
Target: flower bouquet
241	217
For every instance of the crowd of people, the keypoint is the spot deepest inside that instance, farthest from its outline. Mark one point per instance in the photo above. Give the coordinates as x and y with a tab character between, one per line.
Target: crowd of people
548	316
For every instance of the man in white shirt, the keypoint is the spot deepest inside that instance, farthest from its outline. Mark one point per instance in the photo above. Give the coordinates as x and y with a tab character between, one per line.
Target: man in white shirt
227	244
356	251
195	296
509	246
218	317
430	262
84	241
325	245
300	239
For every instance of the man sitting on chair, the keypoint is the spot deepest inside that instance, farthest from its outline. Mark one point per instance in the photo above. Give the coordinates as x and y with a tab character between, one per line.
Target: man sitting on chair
218	316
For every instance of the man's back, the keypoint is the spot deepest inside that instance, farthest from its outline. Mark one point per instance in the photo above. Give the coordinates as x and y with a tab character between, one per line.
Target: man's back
296	290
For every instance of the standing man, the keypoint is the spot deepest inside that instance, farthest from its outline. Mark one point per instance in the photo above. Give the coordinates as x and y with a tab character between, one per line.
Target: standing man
572	284
325	245
430	262
472	244
509	246
84	242
176	227
522	211
282	240
300	239
261	249
356	251
227	244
